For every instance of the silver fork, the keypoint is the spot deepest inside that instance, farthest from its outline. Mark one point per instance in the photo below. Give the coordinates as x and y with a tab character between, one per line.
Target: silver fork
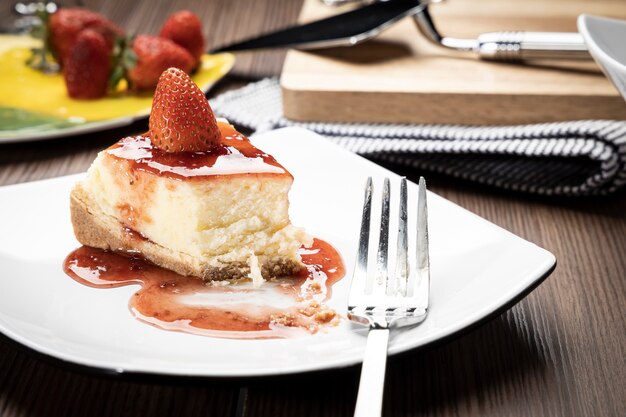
382	300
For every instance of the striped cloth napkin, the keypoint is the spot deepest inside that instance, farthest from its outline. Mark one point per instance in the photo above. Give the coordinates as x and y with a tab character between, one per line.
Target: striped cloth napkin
578	158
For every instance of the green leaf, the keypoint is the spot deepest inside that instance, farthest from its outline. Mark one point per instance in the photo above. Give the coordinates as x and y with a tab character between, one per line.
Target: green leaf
129	59
123	58
12	119
116	76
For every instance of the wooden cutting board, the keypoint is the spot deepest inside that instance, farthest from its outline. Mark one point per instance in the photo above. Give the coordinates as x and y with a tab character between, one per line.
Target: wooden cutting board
401	77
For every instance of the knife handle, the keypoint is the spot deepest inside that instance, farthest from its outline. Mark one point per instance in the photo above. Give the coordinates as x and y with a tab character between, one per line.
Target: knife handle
525	46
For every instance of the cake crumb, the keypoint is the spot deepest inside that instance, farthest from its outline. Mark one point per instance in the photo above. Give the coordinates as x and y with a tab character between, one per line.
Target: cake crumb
308	311
255	271
221	283
283	319
325	316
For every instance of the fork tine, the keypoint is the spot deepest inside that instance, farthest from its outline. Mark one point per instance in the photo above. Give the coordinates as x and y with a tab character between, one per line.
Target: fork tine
360	270
420	277
423	259
402	267
383	241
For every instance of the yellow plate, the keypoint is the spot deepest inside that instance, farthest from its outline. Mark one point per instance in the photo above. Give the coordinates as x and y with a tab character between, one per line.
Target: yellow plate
34	105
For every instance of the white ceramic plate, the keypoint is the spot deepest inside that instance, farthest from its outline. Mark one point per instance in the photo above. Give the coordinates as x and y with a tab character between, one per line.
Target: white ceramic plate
477	270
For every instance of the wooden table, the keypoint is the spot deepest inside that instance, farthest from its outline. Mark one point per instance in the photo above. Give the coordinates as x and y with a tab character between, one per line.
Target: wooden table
559	352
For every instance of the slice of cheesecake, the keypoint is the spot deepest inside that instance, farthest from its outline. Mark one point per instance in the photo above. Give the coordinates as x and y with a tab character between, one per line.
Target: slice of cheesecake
218	213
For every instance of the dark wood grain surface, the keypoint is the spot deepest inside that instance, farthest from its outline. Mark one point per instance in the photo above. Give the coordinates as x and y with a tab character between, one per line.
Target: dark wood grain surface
559	352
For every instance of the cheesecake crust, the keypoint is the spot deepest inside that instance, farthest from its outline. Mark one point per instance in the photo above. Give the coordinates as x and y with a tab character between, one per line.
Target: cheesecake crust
94	228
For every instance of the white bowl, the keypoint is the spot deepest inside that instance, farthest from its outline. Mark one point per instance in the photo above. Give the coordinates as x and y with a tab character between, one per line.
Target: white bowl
606	40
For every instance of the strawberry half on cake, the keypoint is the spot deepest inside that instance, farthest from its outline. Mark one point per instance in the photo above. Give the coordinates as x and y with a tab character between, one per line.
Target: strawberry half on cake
192	195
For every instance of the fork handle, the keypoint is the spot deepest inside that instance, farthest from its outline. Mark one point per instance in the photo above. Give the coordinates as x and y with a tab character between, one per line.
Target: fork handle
369	401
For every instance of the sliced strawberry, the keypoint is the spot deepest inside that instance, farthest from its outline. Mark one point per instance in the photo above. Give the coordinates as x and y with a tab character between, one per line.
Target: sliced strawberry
87	66
181	119
155	55
184	28
65	25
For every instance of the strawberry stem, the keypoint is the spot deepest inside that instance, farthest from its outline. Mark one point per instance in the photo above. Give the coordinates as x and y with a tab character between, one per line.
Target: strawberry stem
40	57
123	60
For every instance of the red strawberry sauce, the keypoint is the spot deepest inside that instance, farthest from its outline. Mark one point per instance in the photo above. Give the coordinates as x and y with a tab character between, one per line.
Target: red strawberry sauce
285	307
235	155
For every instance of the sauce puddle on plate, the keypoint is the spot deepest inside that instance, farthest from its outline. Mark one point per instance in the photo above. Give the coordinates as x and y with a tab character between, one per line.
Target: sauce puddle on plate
280	308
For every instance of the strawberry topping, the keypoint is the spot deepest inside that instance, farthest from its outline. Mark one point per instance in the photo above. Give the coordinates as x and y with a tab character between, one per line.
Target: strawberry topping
181	119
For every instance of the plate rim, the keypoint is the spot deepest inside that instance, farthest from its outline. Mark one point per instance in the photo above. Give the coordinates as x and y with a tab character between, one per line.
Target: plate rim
133	375
543	270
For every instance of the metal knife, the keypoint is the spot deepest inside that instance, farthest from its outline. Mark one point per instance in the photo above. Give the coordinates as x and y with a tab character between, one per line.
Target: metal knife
362	24
344	29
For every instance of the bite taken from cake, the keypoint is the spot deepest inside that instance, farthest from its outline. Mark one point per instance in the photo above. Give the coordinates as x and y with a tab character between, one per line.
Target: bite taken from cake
192	195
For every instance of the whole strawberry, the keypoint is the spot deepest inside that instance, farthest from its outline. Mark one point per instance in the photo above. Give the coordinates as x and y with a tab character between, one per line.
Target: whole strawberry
155	55
65	25
87	66
181	119
184	29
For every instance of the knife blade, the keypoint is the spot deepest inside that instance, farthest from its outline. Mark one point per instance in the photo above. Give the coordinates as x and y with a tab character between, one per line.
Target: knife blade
343	29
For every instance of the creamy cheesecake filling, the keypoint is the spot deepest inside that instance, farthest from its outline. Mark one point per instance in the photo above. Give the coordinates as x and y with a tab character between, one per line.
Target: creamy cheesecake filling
191	216
223	218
